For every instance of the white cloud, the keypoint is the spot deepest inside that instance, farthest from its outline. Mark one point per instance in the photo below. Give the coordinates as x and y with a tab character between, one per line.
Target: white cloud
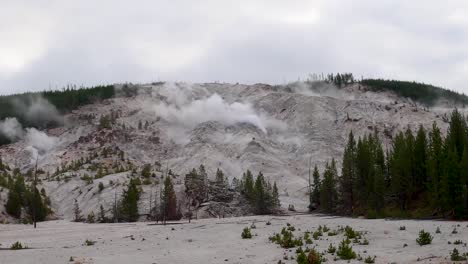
90	42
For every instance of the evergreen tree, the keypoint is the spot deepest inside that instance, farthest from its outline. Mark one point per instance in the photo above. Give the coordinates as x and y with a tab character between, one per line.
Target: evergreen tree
328	193
348	176
435	166
77	212
261	196
16	197
248	186
420	159
315	196
275	196
129	203
169	201
452	188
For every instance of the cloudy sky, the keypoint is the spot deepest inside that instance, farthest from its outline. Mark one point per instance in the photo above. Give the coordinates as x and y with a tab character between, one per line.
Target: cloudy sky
51	43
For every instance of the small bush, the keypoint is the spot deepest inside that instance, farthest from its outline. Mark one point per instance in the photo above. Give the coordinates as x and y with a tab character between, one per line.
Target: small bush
424	238
301	258
455	255
101	186
89	242
402	228
345	251
331	249
369	259
350	233
454	231
286	239
365	242
317	234
246	234
332	233
17	246
438	230
314	257
458	242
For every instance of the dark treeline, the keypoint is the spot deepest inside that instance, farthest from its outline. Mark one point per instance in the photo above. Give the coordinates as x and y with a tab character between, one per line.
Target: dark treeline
421	175
64	101
419	92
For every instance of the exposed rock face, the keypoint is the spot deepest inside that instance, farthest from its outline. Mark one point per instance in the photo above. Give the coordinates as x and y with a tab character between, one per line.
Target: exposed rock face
231	127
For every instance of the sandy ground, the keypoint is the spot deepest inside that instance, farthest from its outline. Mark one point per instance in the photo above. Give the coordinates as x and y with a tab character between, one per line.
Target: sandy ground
219	241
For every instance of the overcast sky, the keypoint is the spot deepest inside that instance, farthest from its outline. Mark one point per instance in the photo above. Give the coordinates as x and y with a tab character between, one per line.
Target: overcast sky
51	43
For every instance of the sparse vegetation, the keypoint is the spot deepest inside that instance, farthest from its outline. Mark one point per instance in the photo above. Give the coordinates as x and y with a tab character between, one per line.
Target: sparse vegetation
246	233
17	246
345	251
89	242
424	238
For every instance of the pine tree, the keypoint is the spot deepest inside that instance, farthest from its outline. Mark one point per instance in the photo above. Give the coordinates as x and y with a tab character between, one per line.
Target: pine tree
261	200
464	177
435	166
420	159
275	196
315	196
77	212
328	193
452	188
16	196
129	203
169	200
248	186
348	175
456	134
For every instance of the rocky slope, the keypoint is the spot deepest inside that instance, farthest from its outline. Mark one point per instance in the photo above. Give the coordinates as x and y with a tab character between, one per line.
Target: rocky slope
178	126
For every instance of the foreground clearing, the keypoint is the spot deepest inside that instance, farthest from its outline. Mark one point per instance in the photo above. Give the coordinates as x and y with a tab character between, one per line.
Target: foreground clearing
219	241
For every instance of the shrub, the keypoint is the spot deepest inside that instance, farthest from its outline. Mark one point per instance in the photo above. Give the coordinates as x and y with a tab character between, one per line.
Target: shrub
101	186
438	230
402	228
89	242
350	233
314	257
424	238
246	234
369	259
301	258
455	255
286	239
345	251
454	231
317	234
17	246
458	242
332	233
331	249
365	242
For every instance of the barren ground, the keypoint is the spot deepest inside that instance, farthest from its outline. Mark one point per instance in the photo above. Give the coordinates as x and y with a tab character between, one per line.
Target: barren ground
219	241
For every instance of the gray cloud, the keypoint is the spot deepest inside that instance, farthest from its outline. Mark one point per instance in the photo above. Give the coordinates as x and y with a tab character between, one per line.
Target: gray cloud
53	43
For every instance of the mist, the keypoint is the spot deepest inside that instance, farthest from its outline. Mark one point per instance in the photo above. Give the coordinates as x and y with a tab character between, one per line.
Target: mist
11	129
37	111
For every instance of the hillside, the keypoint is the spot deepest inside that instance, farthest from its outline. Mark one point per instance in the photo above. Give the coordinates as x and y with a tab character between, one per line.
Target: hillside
178	126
